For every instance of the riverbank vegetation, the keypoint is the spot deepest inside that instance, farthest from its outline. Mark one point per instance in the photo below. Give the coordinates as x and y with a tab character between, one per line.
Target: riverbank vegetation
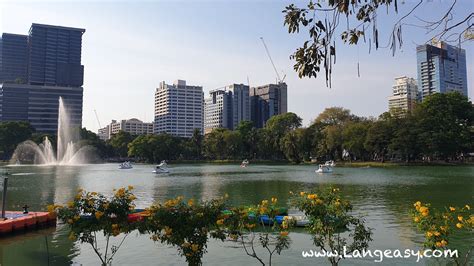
438	129
188	225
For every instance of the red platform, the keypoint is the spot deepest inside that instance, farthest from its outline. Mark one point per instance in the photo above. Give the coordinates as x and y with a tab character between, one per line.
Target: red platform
19	222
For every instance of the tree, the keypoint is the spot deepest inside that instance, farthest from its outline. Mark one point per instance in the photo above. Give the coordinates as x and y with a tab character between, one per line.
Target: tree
334	116
354	136
196	143
120	142
13	133
89	138
445	120
322	19
276	128
379	137
405	142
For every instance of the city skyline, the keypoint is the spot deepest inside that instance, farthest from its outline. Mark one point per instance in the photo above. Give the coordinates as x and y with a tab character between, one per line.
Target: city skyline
153	50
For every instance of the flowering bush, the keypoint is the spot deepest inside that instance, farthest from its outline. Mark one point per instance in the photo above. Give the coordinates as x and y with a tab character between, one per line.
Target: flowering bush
90	213
438	226
245	224
330	220
186	225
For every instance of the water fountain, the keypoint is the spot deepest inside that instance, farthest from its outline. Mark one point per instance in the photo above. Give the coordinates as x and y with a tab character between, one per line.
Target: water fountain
68	150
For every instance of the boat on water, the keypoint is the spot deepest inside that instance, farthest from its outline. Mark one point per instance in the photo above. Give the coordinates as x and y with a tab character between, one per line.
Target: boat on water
244	163
330	163
324	169
126	165
162	168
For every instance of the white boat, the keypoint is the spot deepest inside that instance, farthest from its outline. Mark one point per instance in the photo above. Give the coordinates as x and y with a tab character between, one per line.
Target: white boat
324	169
330	163
125	165
162	168
244	163
299	220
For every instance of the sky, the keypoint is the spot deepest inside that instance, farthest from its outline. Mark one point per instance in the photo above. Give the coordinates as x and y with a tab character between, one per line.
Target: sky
129	47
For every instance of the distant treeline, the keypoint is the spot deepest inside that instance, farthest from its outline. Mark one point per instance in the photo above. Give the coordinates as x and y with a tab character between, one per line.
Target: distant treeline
439	128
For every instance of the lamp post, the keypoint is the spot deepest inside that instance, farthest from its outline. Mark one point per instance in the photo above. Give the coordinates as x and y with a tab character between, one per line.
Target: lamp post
4	197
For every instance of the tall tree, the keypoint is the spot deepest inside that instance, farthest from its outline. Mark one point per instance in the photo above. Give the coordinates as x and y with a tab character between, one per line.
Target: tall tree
13	133
120	142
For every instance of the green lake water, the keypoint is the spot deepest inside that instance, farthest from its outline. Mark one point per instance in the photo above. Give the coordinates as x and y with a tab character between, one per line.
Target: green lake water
383	196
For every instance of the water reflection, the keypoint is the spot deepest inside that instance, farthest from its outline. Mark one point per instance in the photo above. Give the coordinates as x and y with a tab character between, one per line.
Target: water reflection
383	196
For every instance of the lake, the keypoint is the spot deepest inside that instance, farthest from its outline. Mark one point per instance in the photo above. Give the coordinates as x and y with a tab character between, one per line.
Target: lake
383	195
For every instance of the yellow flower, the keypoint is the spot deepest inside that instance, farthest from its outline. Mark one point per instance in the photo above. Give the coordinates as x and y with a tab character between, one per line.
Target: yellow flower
130	187
93	193
72	236
51	208
284	225
436	233
429	234
274	200
98	214
250	226
416	219
186	245
423	209
70	221
284	233
438	244
168	231
444	242
467	207
418	203
312	196
155	237
302	193
452	209
459	225
460	218
70	204
194	247
424	214
220	222
335	190
443	228
191	202
115	226
264	202
318	201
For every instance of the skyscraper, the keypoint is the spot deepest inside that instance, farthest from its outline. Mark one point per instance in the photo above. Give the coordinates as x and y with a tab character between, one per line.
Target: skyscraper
178	109
404	96
38	69
13	58
267	101
441	69
55	56
227	107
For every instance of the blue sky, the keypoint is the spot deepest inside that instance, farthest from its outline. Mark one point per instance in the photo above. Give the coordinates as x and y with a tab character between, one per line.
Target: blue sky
131	46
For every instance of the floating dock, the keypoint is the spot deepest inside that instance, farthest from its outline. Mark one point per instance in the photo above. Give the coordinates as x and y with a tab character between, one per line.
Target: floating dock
18	222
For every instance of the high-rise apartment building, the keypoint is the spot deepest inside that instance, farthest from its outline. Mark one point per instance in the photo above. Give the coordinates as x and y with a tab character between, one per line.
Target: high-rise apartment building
13	58
178	109
404	95
227	107
38	69
267	101
441	69
132	126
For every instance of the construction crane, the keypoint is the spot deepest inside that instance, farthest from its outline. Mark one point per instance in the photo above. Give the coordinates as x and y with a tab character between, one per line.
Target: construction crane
97	117
273	64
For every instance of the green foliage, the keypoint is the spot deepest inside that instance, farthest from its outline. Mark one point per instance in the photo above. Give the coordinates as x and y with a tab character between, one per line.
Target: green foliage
332	223
12	134
91	213
185	225
243	225
439	226
120	141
